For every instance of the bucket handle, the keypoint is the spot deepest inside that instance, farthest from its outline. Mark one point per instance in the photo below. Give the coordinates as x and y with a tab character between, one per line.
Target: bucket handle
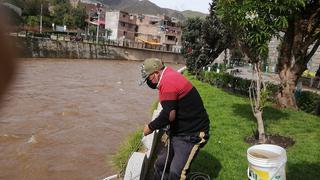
280	167
248	174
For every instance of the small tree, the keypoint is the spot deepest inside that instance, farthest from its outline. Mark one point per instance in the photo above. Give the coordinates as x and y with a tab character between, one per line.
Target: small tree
108	33
255	27
298	23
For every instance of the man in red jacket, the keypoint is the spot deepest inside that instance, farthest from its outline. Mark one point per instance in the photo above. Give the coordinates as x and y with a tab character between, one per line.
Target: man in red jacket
183	110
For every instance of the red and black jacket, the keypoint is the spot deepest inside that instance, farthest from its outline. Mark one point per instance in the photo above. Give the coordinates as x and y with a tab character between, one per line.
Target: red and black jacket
177	93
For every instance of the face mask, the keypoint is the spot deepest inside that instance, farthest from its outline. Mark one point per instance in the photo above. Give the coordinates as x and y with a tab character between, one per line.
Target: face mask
151	84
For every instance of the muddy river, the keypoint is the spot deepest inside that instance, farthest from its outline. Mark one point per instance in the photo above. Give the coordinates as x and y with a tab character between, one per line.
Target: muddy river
64	119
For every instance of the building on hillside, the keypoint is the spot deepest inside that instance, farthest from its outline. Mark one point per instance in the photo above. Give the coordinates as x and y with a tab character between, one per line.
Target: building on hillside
96	14
122	24
159	30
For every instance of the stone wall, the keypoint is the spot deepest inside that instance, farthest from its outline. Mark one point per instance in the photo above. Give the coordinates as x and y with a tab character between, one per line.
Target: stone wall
47	48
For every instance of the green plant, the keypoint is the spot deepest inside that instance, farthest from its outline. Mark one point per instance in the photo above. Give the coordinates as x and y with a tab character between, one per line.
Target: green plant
131	144
308	102
236	84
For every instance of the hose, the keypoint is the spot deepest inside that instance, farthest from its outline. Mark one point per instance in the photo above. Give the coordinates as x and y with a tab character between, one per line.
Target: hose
167	158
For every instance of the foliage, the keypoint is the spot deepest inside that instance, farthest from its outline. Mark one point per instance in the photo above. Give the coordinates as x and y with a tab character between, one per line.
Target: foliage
79	15
255	23
108	32
131	144
204	40
65	14
255	26
31	20
33	7
300	42
294	22
216	37
309	102
62	13
237	84
224	156
192	42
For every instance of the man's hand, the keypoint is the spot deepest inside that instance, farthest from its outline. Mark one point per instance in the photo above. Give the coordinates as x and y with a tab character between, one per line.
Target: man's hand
146	130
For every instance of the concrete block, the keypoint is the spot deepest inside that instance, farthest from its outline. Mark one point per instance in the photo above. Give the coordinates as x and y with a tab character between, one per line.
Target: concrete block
149	143
135	166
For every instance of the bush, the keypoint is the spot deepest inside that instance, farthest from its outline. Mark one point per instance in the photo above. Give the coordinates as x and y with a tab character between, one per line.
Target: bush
130	145
235	84
309	102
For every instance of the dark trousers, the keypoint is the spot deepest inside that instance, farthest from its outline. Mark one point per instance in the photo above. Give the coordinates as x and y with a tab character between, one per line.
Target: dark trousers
183	149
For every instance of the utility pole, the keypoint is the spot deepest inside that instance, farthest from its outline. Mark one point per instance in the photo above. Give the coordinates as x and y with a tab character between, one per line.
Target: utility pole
99	9
41	19
97	39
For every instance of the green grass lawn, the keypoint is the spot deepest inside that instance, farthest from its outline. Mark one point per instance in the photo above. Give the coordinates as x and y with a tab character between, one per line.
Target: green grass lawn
224	156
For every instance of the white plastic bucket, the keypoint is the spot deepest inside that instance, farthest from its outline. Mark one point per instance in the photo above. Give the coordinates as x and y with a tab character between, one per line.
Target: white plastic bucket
266	162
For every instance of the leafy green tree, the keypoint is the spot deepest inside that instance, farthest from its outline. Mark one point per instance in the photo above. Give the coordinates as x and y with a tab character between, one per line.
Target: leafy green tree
255	25
68	20
204	40
192	43
79	16
33	7
300	42
59	12
31	20
215	35
295	22
65	14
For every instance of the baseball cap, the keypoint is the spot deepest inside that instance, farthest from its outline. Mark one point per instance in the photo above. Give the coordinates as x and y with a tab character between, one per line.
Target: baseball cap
149	66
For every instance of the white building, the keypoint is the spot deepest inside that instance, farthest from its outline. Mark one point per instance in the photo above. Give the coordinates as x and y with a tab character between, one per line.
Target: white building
122	24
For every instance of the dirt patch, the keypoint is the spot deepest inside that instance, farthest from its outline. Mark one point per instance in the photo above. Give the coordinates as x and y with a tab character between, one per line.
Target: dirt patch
275	139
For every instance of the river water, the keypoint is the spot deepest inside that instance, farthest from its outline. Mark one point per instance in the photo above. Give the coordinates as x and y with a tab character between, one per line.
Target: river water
64	119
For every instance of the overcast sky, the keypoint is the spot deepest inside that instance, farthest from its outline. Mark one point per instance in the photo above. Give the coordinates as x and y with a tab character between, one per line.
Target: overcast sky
181	5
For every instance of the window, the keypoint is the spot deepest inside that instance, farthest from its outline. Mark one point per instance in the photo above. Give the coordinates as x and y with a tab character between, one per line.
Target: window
171	38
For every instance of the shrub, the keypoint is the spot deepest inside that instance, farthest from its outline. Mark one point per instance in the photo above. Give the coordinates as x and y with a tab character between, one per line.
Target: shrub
309	102
131	144
235	84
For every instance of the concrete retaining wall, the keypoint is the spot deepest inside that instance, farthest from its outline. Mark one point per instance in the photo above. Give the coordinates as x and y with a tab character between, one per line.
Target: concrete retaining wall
48	48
